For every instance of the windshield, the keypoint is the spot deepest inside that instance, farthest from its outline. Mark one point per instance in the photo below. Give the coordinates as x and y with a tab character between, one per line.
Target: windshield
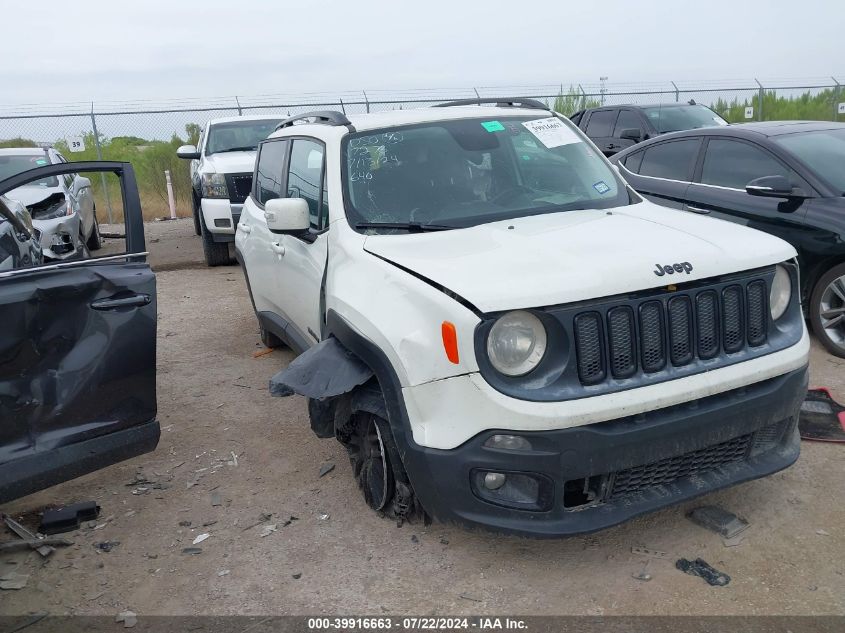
689	117
238	135
823	152
470	171
14	164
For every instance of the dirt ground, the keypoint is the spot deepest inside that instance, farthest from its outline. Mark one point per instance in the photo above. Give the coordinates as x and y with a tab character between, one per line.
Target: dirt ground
225	440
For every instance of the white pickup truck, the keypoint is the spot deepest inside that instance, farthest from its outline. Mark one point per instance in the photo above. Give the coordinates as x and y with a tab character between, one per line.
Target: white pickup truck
221	178
503	333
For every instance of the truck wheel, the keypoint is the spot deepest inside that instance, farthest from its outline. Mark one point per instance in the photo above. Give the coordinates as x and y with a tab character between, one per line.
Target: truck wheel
195	209
216	253
827	310
94	242
377	467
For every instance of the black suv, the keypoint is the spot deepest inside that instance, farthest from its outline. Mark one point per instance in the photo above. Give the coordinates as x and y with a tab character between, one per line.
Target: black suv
614	128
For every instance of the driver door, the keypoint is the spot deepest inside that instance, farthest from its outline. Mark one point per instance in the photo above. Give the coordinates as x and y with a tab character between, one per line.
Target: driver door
77	354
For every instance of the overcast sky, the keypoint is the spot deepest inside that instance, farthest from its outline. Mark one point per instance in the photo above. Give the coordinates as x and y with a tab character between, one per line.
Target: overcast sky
106	50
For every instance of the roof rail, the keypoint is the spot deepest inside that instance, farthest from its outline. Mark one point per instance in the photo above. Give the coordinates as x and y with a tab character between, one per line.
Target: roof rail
325	117
501	102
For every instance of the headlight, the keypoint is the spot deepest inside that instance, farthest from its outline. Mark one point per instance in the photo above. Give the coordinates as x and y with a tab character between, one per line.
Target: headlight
214	186
516	343
781	292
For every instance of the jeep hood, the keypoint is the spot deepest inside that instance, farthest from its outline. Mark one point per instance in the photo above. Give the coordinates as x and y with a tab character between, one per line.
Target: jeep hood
577	255
230	162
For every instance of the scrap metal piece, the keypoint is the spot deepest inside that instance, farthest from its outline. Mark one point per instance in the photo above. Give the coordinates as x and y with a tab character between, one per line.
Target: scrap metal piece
702	569
717	520
17	528
328	369
68	518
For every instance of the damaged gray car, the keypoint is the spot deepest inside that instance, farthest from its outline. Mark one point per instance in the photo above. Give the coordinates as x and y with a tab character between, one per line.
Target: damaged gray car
62	207
19	247
77	351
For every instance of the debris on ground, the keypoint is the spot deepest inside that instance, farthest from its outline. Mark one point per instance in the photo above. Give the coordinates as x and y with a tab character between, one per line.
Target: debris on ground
734	541
128	618
297	575
414	538
470	598
326	468
649	553
262	352
216	499
267	530
821	418
444	540
21	531
200	538
642	575
106	546
702	569
11	546
68	518
822	532
184	524
323	516
13	580
234	460
192	550
223	572
262	518
717	520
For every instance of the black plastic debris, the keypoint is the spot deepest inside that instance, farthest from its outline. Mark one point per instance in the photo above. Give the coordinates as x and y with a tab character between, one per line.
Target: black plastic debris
106	546
68	518
192	550
326	468
700	568
821	418
328	369
717	520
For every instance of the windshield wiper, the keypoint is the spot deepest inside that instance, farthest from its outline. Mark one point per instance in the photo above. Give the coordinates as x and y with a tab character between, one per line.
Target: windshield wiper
245	148
411	227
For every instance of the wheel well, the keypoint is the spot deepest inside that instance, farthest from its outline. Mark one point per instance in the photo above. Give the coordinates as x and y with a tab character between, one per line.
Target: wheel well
815	273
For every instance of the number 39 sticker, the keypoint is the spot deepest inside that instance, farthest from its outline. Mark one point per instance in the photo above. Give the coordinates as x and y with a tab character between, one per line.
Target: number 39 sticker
76	143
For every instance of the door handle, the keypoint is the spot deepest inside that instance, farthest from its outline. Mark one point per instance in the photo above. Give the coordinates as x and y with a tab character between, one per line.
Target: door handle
135	301
277	248
698	210
246	228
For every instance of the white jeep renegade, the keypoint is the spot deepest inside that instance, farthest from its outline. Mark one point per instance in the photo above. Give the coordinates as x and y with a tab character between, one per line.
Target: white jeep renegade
503	333
222	163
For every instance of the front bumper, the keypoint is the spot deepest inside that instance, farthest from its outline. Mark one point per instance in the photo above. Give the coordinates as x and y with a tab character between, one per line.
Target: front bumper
60	237
630	465
220	217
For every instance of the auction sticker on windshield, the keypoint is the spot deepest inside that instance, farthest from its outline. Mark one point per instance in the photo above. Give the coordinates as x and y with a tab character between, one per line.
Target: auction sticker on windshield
552	132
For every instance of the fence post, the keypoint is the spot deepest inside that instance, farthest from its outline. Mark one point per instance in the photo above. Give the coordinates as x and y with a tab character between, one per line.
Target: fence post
760	94
100	157
342	107
677	92
583	97
171	201
836	99
238	104
477	96
366	101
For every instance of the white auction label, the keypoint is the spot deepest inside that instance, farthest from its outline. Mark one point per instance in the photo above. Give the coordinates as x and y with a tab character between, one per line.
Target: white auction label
76	143
552	132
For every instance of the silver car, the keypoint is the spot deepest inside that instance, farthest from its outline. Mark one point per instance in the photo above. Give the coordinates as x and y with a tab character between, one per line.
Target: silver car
62	208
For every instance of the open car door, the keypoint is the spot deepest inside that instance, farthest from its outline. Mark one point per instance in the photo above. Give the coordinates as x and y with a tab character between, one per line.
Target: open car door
78	348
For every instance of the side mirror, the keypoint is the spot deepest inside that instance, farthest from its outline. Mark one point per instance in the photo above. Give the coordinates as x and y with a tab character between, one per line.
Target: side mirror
632	134
287	215
188	152
772	187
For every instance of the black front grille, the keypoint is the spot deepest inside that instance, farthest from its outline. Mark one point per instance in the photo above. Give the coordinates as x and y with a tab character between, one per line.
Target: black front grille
239	186
674	330
668	470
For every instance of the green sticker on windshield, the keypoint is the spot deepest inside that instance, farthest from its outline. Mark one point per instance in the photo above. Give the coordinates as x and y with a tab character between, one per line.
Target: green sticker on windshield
41	161
492	126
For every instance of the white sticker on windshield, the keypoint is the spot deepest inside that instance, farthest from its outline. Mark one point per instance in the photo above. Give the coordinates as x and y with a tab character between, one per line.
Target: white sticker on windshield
552	132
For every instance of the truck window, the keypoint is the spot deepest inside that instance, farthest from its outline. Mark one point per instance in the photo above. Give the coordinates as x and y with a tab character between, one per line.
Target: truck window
601	123
628	120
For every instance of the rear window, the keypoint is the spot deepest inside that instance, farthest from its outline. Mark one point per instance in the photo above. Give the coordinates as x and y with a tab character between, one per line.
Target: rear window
14	164
672	160
676	118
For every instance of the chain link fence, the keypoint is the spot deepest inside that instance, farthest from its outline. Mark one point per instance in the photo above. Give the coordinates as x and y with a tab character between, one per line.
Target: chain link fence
147	133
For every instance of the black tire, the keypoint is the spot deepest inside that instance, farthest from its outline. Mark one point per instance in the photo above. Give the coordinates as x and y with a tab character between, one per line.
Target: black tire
95	242
268	338
216	253
195	209
827	310
377	467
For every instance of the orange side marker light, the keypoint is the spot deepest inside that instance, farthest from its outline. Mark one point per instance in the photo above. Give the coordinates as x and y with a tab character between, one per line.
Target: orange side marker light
450	341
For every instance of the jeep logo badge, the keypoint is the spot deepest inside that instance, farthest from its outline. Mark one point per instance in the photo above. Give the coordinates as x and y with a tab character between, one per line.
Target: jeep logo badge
671	269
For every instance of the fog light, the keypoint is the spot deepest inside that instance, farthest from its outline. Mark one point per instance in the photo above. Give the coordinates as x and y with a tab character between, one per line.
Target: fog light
508	443
494	481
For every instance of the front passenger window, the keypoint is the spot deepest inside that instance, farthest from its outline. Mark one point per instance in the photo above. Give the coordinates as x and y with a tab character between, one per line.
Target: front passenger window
271	165
733	164
305	176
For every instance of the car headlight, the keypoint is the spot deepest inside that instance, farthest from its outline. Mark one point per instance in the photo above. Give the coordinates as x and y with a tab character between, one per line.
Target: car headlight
516	343
780	293
214	186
